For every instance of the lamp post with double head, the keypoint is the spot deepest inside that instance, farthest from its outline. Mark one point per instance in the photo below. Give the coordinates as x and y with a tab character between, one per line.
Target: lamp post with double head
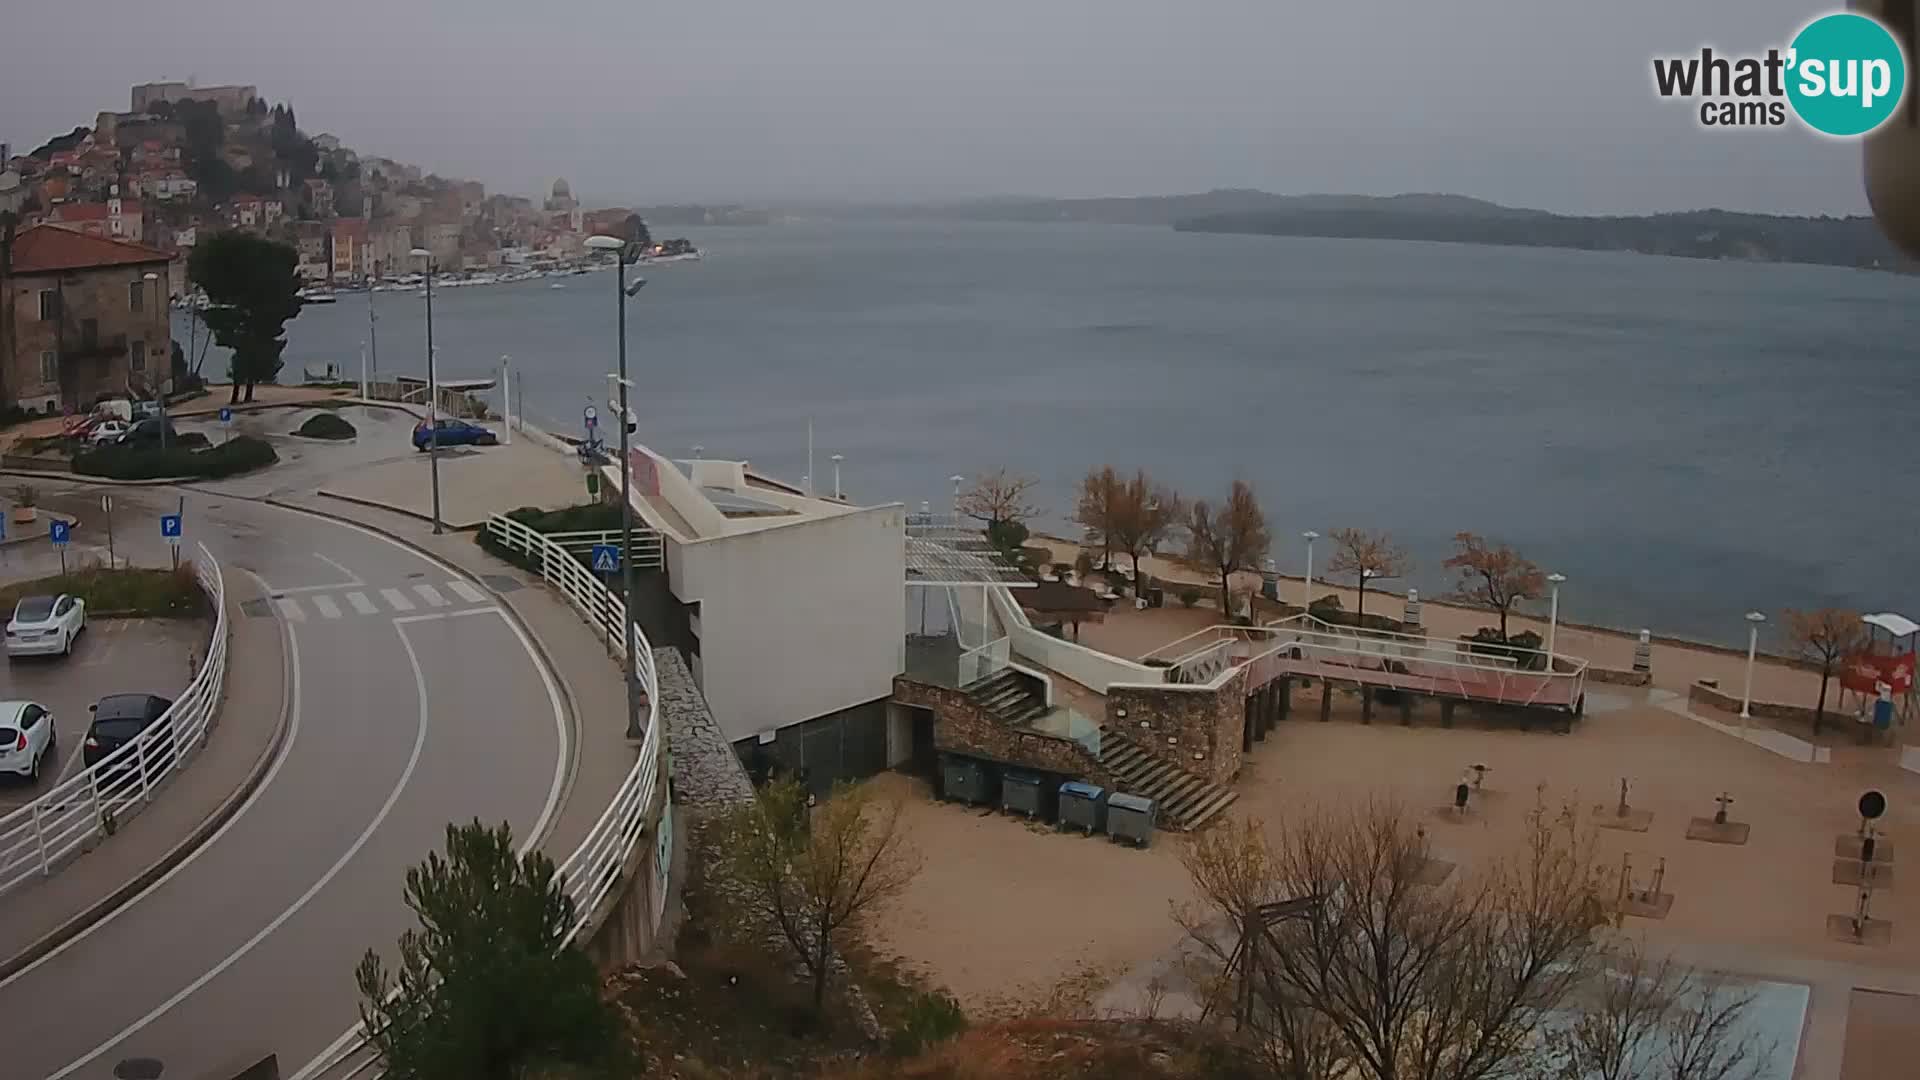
433	394
624	256
1754	619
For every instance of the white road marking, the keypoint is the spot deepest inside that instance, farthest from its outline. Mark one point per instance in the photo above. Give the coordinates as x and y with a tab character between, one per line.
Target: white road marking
290	608
406	775
286	749
396	599
467	592
362	605
354	1037
431	595
328	609
352	578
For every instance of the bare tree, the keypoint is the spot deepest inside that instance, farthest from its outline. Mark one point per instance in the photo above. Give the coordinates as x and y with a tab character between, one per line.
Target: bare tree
998	498
1366	557
1230	537
812	876
1826	637
1381	974
1495	578
1144	515
1646	1019
1100	489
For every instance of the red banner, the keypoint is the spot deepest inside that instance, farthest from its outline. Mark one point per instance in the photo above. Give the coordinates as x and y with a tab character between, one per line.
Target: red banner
646	475
1864	672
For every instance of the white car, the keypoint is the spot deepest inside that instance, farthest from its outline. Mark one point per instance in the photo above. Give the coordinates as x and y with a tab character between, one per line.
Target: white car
108	431
46	625
26	737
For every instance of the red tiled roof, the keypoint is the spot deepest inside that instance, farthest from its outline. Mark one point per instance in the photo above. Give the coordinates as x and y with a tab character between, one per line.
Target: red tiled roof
47	248
91	211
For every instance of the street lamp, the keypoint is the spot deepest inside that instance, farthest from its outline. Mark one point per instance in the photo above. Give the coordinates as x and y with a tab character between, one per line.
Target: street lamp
1553	615
1754	619
837	459
167	371
433	394
1307	603
622	293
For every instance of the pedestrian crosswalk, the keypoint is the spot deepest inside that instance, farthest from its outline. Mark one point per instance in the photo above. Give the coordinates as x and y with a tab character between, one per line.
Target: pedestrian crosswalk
320	606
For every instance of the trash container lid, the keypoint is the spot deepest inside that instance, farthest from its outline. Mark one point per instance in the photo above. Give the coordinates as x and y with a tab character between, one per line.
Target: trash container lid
1016	776
1130	802
1085	791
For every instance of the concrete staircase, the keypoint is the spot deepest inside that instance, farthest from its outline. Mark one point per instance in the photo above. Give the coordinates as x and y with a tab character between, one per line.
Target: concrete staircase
1184	801
1009	698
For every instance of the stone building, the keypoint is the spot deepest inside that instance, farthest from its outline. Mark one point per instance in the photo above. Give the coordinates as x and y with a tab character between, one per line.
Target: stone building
84	317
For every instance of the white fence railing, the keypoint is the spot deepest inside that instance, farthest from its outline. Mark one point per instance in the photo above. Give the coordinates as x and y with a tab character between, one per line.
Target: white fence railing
36	838
593	870
649	552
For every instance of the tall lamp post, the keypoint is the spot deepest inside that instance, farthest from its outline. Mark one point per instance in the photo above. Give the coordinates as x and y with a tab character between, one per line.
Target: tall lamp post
1553	615
1306	603
166	372
622	293
1754	619
433	394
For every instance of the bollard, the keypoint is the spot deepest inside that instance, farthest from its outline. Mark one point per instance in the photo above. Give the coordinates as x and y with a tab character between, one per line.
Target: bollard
1326	700
1643	653
1412	615
1366	704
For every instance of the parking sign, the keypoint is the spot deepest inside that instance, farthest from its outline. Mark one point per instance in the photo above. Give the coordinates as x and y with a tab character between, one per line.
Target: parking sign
170	527
57	531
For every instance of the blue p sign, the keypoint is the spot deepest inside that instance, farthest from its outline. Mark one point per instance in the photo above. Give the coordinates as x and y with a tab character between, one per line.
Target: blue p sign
57	532
226	415
170	526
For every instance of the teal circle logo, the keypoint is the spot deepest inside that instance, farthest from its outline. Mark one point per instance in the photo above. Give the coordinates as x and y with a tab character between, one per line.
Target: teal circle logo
1846	74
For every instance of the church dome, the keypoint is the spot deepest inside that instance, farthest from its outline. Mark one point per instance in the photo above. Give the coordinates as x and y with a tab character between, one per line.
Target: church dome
561	190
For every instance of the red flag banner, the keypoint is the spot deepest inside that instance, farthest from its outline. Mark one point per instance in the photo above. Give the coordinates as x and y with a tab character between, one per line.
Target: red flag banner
1863	672
646	475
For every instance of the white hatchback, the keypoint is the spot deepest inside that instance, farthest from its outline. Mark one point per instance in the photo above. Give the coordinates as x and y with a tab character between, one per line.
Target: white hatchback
46	625
26	737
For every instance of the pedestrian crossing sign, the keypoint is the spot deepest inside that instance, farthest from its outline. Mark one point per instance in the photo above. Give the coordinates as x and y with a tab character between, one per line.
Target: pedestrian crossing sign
606	558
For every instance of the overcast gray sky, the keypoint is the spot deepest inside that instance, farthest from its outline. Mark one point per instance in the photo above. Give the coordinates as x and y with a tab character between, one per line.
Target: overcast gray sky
1545	104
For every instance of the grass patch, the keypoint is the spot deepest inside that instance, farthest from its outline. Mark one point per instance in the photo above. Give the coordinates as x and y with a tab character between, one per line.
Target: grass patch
326	425
243	453
170	594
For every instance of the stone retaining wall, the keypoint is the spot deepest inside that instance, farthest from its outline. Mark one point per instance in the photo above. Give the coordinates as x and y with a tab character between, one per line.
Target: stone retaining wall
1616	677
1713	697
962	727
1204	725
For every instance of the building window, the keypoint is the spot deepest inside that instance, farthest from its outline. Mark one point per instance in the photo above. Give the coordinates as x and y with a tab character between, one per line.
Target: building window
136	296
49	305
139	361
49	367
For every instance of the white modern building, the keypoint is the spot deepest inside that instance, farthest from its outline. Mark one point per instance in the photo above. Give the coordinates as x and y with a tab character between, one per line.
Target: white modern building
793	620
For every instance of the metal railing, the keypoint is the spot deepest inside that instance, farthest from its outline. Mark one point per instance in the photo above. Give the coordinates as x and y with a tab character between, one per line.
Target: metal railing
649	551
36	838
984	661
593	870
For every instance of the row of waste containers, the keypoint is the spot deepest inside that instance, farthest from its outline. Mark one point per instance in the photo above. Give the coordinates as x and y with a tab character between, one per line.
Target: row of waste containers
1070	805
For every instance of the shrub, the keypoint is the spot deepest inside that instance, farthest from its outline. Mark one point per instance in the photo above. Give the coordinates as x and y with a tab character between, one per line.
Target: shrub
581	517
170	593
1189	596
238	455
326	425
930	1018
1487	641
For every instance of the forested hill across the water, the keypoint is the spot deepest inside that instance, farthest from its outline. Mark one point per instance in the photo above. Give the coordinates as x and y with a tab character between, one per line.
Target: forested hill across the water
1700	234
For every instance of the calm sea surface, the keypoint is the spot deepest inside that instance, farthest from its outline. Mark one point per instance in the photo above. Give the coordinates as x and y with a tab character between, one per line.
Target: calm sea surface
1684	440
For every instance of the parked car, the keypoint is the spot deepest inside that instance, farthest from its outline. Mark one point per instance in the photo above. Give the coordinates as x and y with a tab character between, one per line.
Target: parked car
108	431
26	737
147	432
144	409
46	625
453	433
117	718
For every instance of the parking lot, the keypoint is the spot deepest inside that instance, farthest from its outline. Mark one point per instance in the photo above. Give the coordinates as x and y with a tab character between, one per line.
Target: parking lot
112	656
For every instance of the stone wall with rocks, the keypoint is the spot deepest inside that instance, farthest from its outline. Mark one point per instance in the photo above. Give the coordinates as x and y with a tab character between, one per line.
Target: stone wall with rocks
962	727
1197	728
1715	698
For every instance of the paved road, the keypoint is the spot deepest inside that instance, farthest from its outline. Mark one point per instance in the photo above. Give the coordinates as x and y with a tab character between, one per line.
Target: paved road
414	703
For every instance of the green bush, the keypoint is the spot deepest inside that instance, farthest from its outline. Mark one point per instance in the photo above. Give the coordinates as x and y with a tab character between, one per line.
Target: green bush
1520	648
930	1018
581	517
326	425
238	455
168	593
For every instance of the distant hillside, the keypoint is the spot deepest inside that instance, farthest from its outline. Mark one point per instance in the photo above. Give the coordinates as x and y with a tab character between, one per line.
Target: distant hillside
1698	234
1168	209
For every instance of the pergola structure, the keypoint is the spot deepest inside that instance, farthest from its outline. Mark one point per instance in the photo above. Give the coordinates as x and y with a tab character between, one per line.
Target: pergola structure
946	556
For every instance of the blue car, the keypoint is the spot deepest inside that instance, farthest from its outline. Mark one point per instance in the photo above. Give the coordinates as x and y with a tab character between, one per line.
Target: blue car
452	433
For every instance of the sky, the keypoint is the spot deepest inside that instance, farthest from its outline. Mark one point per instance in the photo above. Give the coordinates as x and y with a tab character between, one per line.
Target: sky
1539	104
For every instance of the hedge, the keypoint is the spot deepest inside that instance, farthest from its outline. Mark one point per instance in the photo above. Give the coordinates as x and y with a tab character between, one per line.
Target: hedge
238	455
326	425
581	517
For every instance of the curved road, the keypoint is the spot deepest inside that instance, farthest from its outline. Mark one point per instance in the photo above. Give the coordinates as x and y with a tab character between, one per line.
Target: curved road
413	702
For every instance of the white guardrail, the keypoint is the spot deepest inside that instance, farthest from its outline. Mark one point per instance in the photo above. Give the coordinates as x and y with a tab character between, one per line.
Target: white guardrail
96	801
593	869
